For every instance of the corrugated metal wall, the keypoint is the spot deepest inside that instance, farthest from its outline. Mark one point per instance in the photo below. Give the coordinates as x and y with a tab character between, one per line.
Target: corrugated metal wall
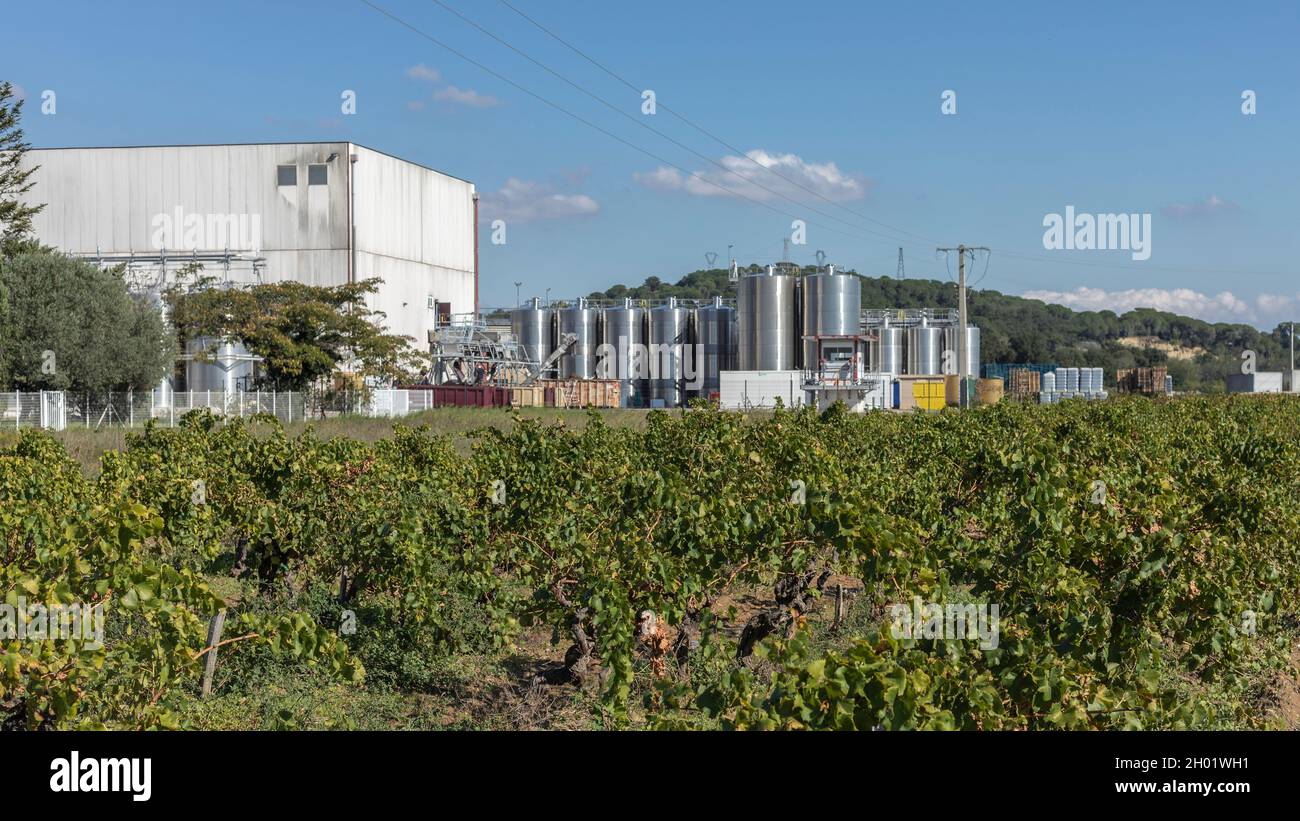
414	226
415	230
107	199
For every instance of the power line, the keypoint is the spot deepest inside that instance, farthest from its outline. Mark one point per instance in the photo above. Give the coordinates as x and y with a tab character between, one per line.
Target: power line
705	131
640	121
593	125
713	183
1032	257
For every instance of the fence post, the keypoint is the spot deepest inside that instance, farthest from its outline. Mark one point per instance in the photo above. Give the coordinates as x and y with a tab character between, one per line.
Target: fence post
210	663
18	408
130	407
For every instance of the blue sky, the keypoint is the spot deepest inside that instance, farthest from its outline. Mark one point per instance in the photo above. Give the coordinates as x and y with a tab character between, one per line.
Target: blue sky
1109	107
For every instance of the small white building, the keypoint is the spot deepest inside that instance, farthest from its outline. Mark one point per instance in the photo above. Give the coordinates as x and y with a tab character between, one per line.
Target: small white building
320	213
1261	382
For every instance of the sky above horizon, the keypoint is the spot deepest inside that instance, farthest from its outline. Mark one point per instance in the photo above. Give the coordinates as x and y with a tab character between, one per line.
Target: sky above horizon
832	113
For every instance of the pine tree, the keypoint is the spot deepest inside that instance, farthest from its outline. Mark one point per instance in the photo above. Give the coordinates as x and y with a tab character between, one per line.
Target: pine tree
15	215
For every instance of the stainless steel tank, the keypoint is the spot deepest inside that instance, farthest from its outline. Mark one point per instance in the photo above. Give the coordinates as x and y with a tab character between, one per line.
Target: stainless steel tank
951	335
229	367
924	349
766	322
890	351
670	371
832	306
715	343
531	326
622	353
579	362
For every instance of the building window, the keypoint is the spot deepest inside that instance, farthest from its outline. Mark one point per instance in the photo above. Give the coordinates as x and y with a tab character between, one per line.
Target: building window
286	175
318	175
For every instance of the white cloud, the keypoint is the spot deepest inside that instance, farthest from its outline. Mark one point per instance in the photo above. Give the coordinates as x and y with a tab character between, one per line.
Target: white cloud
526	201
467	96
1265	310
747	177
1210	206
19	92
422	72
415	105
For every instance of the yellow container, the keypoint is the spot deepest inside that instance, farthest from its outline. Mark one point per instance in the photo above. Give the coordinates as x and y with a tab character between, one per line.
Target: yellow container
928	394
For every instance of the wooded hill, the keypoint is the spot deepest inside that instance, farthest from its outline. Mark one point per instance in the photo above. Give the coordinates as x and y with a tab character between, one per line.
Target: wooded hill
1198	354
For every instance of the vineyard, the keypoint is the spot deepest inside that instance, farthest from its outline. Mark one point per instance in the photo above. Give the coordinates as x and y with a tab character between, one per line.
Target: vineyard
711	570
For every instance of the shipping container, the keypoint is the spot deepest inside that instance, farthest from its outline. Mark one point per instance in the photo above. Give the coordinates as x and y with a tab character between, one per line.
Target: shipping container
744	390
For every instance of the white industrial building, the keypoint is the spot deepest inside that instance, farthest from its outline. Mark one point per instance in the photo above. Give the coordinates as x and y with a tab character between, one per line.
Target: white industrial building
320	213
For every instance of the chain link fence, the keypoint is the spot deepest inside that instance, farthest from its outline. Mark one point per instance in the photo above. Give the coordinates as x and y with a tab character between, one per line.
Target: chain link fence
60	410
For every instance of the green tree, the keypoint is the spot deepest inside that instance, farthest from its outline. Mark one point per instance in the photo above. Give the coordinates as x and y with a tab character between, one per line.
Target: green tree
74	326
302	332
15	215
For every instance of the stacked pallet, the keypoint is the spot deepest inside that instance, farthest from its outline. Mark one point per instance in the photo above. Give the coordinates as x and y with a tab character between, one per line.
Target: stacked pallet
1146	381
583	393
1023	383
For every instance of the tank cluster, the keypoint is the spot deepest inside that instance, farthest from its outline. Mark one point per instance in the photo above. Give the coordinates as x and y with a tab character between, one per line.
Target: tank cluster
662	354
785	320
666	353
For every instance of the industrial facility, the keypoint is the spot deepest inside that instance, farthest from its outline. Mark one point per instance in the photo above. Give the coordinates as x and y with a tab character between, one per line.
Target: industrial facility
788	337
325	214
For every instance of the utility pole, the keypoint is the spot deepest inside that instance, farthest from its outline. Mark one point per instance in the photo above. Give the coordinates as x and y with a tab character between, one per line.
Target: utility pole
517	302
962	250
901	273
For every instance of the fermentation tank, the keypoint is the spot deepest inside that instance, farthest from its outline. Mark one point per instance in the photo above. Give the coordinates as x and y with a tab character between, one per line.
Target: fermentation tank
924	349
715	343
832	306
622	354
670	372
951	336
579	361
531	326
766	321
229	367
890	352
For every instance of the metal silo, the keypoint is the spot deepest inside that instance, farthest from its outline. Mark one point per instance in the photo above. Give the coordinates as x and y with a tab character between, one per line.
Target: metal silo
766	321
715	343
832	306
229	369
669	339
924	349
623	351
579	362
889	351
531	326
951	336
